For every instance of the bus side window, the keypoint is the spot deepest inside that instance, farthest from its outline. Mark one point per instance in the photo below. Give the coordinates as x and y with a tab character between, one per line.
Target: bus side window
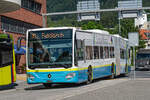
122	53
111	52
89	52
96	52
101	53
106	53
80	50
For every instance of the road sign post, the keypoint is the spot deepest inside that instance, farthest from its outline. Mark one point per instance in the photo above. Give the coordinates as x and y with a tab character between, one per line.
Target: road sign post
133	42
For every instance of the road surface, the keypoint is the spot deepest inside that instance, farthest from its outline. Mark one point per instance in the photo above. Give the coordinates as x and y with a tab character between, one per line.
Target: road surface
122	88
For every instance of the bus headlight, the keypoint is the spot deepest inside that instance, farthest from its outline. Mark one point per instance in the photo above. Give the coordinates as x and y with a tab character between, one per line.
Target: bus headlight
31	76
70	75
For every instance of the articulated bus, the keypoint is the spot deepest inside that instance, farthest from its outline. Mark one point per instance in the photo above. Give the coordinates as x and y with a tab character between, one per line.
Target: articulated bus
7	62
70	55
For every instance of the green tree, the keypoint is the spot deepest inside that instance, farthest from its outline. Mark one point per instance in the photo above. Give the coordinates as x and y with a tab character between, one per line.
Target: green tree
127	25
92	25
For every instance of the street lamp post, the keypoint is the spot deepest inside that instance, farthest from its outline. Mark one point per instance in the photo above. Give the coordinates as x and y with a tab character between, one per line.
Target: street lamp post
119	27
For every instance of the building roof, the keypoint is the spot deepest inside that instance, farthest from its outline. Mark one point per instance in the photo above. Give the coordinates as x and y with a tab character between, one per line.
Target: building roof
9	5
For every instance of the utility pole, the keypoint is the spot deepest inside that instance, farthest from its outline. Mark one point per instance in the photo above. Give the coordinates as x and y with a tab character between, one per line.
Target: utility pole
119	26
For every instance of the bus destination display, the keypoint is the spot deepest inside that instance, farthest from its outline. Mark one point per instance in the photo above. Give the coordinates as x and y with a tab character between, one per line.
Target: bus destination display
51	34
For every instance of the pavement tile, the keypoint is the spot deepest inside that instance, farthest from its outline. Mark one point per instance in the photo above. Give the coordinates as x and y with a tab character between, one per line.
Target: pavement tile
21	77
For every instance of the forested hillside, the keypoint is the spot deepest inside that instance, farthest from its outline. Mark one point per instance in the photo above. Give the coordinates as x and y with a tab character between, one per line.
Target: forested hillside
70	5
108	19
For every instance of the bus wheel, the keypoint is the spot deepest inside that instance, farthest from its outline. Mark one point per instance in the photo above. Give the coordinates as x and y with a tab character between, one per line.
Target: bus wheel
47	85
89	73
112	71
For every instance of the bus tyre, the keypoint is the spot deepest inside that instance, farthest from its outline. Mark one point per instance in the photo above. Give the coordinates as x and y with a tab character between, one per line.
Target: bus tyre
89	73
47	85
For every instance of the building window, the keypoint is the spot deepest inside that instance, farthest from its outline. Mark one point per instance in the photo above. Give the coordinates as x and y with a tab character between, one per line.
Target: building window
12	25
31	5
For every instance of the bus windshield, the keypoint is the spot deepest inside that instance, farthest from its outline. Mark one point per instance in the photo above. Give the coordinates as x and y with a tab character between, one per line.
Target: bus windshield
50	51
143	56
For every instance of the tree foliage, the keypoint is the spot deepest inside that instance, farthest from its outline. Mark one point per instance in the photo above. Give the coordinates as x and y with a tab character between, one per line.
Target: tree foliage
92	25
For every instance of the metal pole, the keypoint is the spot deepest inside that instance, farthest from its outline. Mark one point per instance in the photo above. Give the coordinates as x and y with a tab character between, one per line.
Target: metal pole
101	10
119	17
44	21
134	62
119	27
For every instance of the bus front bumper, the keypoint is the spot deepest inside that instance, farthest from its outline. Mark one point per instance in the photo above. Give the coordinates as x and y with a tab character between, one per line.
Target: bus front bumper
52	77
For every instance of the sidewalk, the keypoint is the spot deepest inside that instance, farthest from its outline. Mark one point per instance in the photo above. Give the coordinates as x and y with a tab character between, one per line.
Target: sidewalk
22	77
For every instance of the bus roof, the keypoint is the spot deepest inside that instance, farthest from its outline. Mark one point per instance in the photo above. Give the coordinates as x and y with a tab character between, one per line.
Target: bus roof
54	28
117	35
97	31
51	28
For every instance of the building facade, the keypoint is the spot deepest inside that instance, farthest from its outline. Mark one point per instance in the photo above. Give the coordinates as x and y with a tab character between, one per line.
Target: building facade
140	21
145	34
16	23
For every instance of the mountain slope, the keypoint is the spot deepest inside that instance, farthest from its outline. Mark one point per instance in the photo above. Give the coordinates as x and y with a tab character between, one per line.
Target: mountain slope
108	19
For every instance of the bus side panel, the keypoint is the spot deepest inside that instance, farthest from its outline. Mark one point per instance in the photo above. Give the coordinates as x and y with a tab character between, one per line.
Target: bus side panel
14	67
117	55
6	75
102	71
122	66
82	75
1	77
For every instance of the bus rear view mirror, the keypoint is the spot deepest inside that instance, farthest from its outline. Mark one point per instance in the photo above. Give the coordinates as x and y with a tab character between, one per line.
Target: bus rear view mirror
18	44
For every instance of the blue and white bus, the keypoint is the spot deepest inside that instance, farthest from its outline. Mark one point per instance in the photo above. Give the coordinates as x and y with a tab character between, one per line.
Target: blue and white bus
71	55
